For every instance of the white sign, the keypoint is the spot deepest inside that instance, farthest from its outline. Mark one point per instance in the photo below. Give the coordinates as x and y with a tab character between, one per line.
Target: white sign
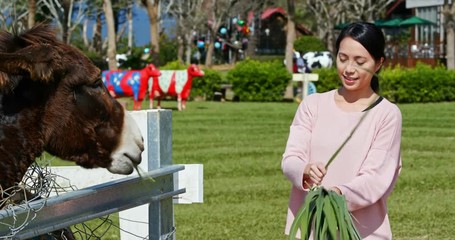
424	3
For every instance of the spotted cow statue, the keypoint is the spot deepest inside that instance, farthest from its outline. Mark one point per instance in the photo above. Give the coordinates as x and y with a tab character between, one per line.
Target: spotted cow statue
130	83
313	60
175	83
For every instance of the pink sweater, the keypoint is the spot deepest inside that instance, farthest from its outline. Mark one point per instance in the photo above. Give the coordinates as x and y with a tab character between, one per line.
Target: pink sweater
365	170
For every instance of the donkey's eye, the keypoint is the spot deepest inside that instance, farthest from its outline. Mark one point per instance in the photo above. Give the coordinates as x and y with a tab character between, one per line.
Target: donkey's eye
97	83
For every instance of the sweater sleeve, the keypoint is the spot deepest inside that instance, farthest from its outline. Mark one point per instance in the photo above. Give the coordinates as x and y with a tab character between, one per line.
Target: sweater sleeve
381	167
296	154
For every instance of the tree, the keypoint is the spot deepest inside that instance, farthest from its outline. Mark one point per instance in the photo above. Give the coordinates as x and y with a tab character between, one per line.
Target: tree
254	7
290	38
449	25
112	46
218	11
129	16
368	11
97	41
153	11
327	13
189	16
31	13
62	12
15	12
290	35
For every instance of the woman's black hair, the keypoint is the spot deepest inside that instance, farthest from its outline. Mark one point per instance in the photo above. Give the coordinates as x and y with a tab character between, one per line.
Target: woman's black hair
371	38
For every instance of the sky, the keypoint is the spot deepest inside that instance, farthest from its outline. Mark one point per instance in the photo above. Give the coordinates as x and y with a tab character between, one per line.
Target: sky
141	27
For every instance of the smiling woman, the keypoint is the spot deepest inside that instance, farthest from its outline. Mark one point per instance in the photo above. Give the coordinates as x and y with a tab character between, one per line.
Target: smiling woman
365	169
356	69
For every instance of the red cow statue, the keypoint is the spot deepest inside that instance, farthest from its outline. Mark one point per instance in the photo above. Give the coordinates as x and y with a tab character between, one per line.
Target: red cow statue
174	83
130	82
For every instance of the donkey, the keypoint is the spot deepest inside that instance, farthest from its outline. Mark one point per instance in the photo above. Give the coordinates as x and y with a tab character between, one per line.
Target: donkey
52	99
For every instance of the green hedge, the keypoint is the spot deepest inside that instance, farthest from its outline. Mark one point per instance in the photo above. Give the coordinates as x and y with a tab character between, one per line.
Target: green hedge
254	80
404	85
305	44
174	65
207	85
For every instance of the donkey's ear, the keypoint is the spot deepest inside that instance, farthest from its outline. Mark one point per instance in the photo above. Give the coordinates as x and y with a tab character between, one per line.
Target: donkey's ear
38	62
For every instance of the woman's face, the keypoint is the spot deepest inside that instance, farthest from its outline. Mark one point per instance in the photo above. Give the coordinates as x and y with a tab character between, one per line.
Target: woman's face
355	65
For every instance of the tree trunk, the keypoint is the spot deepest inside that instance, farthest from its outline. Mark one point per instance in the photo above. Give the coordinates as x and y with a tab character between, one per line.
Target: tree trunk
188	48
290	38
111	49
180	49
450	48
253	39
153	10
66	5
130	28
31	13
210	48
97	38
330	37
84	34
209	54
449	15
290	35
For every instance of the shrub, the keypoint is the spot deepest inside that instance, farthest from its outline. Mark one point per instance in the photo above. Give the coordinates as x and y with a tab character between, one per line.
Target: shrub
98	60
207	85
328	79
168	49
174	65
305	44
135	61
421	84
259	81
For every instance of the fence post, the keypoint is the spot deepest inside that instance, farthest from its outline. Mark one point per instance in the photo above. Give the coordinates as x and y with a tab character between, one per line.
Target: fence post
306	78
161	213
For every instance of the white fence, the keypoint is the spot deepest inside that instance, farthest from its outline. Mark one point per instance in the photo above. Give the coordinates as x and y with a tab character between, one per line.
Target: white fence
115	193
306	78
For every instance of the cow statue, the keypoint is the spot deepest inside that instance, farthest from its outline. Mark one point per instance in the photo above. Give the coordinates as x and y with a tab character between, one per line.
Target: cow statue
314	60
174	83
130	83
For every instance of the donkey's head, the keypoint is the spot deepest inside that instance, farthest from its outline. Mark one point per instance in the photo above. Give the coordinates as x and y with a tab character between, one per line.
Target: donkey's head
52	99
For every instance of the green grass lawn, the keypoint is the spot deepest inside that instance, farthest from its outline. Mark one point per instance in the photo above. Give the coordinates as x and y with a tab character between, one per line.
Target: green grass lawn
245	193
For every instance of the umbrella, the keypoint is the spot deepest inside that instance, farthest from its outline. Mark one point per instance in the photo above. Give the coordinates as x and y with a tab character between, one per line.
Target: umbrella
341	26
414	20
379	22
395	22
270	11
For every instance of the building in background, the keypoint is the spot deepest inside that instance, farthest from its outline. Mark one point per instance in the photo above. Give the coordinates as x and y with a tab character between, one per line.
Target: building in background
419	33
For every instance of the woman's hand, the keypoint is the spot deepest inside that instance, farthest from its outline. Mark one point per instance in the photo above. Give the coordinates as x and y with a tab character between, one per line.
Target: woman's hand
337	190
314	172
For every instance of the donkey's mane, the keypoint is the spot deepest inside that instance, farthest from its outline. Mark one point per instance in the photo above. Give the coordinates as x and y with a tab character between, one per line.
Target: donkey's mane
38	35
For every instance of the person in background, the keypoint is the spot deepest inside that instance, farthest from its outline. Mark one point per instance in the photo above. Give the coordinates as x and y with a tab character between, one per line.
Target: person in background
295	57
366	169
